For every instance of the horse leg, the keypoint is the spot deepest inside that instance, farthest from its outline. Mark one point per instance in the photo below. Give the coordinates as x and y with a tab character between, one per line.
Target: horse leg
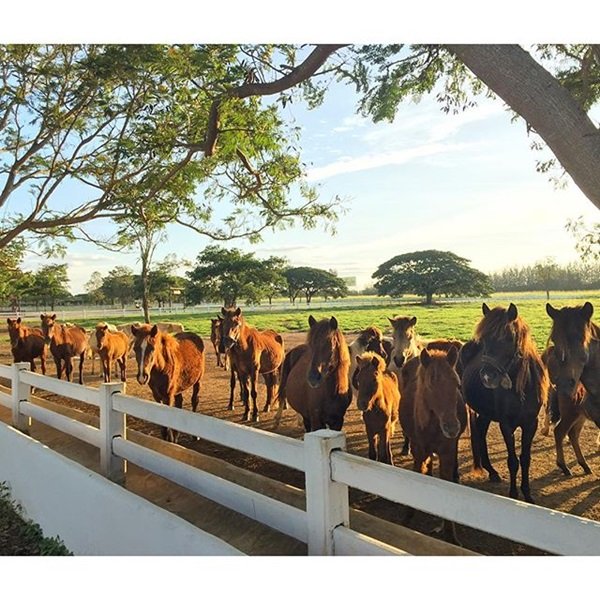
371	439
388	432
405	445
245	394
306	423
81	357
123	367
475	444
574	439
560	431
106	368
254	392
527	433
231	389
59	368
508	433
195	393
268	377
448	469
43	362
482	426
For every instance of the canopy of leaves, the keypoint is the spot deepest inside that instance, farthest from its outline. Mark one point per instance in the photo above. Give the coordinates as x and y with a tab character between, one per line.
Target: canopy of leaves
430	272
310	282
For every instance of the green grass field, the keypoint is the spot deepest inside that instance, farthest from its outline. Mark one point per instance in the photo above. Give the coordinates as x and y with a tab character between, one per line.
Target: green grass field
452	320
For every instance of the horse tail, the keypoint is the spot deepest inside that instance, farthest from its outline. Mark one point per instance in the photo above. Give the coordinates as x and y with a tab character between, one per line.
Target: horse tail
289	362
474	438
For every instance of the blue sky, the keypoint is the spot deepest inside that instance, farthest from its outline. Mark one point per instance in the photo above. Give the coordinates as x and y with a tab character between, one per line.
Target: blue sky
465	183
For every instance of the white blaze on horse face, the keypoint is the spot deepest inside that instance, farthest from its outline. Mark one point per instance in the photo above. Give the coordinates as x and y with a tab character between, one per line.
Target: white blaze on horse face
140	361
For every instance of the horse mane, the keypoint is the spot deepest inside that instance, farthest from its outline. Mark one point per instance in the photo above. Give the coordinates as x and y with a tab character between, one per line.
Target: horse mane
369	356
494	325
369	333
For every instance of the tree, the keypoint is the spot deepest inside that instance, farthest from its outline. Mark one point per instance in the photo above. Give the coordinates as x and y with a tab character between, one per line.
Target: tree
587	238
119	285
430	272
117	118
273	280
49	284
311	281
93	287
546	273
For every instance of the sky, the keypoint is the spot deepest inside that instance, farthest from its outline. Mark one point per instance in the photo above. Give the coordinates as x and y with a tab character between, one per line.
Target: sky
463	183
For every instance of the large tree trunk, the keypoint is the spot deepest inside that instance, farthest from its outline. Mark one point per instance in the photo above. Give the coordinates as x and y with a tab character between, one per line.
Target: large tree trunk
544	103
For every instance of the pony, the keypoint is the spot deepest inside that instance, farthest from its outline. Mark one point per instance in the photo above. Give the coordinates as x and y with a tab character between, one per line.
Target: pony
92	350
65	343
576	339
368	340
504	380
434	415
111	346
215	338
378	399
250	352
315	380
27	343
169	364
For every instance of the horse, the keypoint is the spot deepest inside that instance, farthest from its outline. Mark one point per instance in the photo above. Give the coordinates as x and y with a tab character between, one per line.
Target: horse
576	339
378	399
368	340
215	338
111	346
92	350
315	381
504	380
65	343
26	343
169	364
406	342
434	415
251	352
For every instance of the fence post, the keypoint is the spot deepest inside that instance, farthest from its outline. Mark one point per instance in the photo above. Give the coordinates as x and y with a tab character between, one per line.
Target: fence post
112	424
20	393
326	500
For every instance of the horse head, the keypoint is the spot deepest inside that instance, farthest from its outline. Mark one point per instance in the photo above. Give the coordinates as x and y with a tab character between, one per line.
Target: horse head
48	324
571	334
325	341
145	348
404	336
15	331
372	341
230	327
101	330
438	390
368	378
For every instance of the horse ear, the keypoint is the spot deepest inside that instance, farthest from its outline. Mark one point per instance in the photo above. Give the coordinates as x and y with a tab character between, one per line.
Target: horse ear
223	311
413	322
391	321
42	316
238	311
452	356
311	321
425	357
358	359
104	327
154	330
18	320
8	320
552	312
134	330
512	312
587	310
485	308
375	362
53	317
333	322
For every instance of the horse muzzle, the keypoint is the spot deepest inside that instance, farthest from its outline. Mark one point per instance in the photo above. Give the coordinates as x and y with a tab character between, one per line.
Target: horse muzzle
314	378
451	429
142	378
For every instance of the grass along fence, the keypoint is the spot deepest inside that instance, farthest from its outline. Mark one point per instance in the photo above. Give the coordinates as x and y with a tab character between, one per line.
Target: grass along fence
329	472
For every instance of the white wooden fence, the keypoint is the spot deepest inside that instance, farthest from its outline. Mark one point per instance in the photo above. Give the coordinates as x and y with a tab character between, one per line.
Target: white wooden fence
329	471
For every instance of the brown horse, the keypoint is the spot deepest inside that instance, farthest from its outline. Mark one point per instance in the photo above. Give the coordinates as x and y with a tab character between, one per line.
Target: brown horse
215	338
26	343
169	364
576	339
112	346
434	415
504	380
378	399
251	352
65	343
315	380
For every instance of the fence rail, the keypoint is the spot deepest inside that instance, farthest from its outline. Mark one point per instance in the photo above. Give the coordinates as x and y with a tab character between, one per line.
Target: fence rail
329	471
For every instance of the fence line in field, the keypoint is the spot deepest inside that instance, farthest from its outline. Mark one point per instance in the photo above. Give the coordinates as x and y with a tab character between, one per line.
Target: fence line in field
329	471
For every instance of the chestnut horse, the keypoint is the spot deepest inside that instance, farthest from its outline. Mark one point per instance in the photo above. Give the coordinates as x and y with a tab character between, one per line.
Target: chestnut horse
26	343
434	415
215	338
65	343
315	377
378	399
169	364
250	352
111	346
504	380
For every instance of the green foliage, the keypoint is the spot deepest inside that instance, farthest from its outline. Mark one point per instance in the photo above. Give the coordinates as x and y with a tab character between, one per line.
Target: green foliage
430	272
20	537
587	238
310	282
119	284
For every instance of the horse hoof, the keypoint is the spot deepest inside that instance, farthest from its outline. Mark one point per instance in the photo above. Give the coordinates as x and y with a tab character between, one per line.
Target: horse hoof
587	470
565	470
528	498
495	477
255	418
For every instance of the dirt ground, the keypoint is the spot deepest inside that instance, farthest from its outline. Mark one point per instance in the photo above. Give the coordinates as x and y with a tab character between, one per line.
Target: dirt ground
578	494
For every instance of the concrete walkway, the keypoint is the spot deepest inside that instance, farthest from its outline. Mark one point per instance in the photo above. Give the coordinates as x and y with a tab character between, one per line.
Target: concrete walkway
249	536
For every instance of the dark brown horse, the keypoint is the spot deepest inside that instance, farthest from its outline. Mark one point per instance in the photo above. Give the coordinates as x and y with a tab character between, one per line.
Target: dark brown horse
315	381
378	399
433	414
251	352
215	338
112	346
65	343
169	364
574	361
504	380
27	343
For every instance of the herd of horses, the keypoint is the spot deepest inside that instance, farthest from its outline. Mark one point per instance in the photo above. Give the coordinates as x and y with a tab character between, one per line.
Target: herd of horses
433	389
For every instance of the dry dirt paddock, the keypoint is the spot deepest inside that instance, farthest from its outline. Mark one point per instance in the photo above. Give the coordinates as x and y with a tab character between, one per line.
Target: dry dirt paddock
578	494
